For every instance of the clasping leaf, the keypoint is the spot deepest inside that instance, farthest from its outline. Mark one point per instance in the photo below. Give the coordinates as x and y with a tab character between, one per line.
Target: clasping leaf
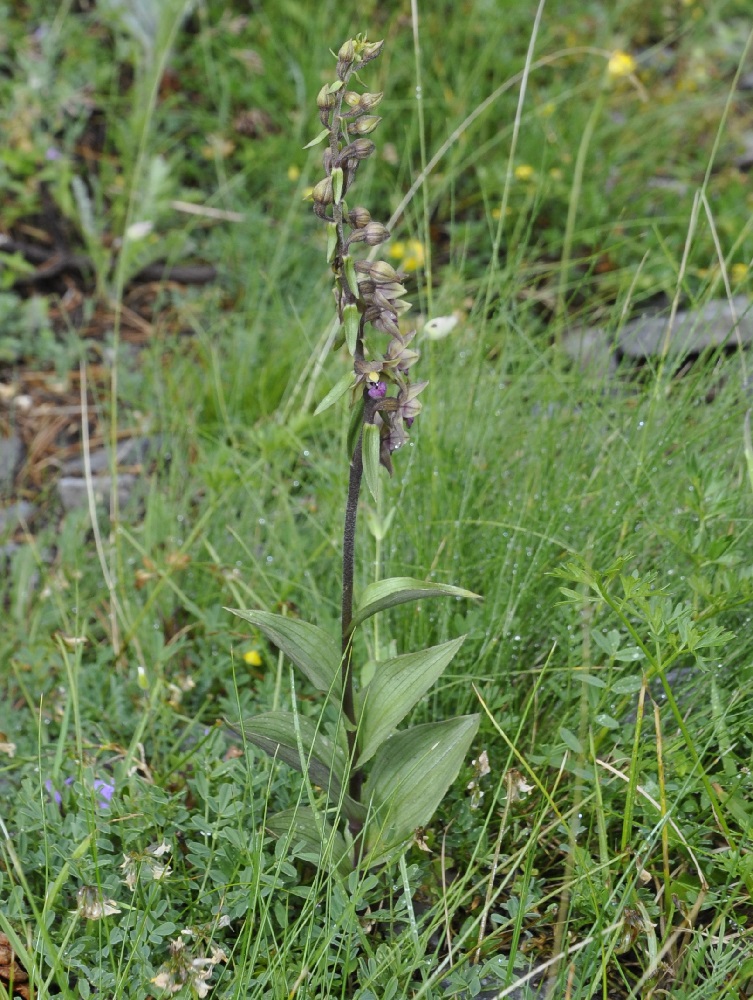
311	649
399	590
409	778
397	686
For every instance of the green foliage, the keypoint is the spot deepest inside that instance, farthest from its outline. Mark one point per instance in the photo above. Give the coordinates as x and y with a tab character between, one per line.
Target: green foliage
617	716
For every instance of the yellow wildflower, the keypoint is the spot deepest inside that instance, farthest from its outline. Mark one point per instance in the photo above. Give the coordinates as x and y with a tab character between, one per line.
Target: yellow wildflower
621	64
738	273
293	172
524	172
409	253
251	658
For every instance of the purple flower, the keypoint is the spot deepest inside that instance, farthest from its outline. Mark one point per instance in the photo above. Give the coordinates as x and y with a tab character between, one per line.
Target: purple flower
377	390
104	791
57	798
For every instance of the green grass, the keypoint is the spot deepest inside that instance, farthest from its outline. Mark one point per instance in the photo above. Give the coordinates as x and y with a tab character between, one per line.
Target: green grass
607	525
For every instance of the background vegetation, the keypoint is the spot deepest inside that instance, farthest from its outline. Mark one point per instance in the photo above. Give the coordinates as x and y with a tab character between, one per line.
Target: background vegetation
607	522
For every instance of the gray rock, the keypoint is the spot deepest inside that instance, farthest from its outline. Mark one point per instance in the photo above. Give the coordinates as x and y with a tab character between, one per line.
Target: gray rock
717	324
11	453
73	494
11	517
592	347
132	451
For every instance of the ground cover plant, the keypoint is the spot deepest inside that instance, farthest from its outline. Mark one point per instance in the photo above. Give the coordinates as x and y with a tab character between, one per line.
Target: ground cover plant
597	840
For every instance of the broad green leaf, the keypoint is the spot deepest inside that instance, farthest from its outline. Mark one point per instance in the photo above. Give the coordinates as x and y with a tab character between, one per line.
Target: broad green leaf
311	838
326	762
399	590
337	391
370	452
409	778
398	685
315	653
570	740
275	734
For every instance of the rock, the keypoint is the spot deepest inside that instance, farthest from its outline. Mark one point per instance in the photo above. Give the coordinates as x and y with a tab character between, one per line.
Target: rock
718	324
11	454
592	347
11	517
132	451
73	494
693	331
744	161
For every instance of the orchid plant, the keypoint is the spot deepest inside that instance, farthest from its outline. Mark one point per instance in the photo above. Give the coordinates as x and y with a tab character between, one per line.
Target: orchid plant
378	784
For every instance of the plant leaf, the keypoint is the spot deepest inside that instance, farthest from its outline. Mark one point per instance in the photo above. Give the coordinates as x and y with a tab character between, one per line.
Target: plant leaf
570	740
311	838
337	391
370	452
397	686
312	650
326	763
337	184
410	776
399	590
351	326
315	142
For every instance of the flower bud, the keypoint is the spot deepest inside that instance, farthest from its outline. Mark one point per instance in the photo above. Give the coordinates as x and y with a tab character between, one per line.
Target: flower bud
359	217
359	149
362	102
381	272
364	126
375	233
369	101
370	50
322	193
347	51
325	99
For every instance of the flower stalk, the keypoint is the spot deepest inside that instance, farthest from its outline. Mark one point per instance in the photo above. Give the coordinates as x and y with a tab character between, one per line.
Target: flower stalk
373	785
367	294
